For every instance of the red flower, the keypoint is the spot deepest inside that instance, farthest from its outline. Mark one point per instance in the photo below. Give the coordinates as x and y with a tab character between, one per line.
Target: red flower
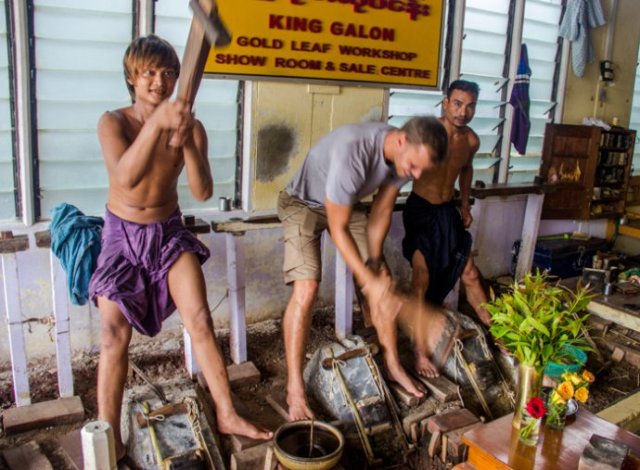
536	408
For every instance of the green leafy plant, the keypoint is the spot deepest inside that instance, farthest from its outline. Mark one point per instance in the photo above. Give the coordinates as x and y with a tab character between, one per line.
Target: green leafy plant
536	318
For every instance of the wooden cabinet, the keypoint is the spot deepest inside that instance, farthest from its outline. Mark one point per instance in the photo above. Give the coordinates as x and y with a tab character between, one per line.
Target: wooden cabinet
589	169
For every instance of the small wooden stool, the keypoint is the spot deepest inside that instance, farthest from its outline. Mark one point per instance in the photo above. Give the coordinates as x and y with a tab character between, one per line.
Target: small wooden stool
449	426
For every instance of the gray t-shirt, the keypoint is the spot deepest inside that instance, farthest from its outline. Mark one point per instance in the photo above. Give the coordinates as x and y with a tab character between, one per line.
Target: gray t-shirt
346	165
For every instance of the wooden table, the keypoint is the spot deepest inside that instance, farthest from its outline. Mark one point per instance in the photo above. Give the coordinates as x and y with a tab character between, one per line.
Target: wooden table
495	445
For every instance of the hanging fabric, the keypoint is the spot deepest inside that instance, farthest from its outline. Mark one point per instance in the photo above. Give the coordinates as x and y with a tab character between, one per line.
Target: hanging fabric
521	103
579	18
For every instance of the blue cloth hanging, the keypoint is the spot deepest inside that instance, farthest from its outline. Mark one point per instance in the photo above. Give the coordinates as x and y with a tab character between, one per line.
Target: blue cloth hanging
75	240
520	101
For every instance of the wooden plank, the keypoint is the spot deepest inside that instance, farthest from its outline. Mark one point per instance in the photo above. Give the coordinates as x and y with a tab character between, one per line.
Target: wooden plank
425	410
530	227
27	457
235	278
250	459
442	388
278	402
624	413
344	298
189	356
43	239
71	445
62	326
245	225
240	375
630	231
452	420
508	189
40	415
616	315
15	244
243	375
16	333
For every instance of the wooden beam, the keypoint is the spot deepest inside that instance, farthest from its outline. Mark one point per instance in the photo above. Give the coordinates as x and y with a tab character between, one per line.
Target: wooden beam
16	333
63	337
44	414
194	56
14	244
193	61
529	234
616	315
344	298
27	457
236	282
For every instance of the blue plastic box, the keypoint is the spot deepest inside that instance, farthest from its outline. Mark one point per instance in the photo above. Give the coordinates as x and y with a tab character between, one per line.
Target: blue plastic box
562	258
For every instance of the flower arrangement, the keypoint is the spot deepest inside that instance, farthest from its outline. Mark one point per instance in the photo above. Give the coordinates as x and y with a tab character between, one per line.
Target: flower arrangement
536	318
574	386
531	418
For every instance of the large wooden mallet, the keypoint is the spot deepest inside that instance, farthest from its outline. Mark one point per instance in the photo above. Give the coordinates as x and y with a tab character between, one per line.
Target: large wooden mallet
206	30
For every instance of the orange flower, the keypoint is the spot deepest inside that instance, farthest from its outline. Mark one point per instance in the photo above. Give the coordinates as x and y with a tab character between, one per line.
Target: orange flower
565	390
582	394
588	376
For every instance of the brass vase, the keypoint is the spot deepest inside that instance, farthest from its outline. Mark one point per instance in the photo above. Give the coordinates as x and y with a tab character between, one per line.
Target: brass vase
529	385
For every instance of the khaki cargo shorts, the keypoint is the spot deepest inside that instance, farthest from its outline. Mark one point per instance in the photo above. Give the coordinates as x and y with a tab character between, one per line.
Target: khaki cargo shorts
303	226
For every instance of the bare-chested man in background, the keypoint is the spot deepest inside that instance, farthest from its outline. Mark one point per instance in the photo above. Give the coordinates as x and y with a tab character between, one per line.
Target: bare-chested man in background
436	242
150	264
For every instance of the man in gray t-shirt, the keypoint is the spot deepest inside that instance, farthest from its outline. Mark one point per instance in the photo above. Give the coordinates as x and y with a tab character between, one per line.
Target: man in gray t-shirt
345	166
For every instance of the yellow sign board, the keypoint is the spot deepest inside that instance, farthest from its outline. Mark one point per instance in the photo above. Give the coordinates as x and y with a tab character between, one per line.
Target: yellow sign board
386	42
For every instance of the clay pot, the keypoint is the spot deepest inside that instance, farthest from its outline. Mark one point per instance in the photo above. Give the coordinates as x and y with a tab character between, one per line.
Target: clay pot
293	449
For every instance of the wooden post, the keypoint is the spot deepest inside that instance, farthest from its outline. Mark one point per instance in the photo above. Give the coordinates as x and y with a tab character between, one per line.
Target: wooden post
529	234
236	280
344	298
61	315
189	357
16	333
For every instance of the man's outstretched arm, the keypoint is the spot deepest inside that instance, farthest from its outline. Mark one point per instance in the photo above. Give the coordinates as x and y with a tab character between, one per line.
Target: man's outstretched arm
374	286
380	220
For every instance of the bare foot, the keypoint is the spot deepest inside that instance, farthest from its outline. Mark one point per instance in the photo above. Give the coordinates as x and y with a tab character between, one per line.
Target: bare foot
299	408
234	424
424	366
399	375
